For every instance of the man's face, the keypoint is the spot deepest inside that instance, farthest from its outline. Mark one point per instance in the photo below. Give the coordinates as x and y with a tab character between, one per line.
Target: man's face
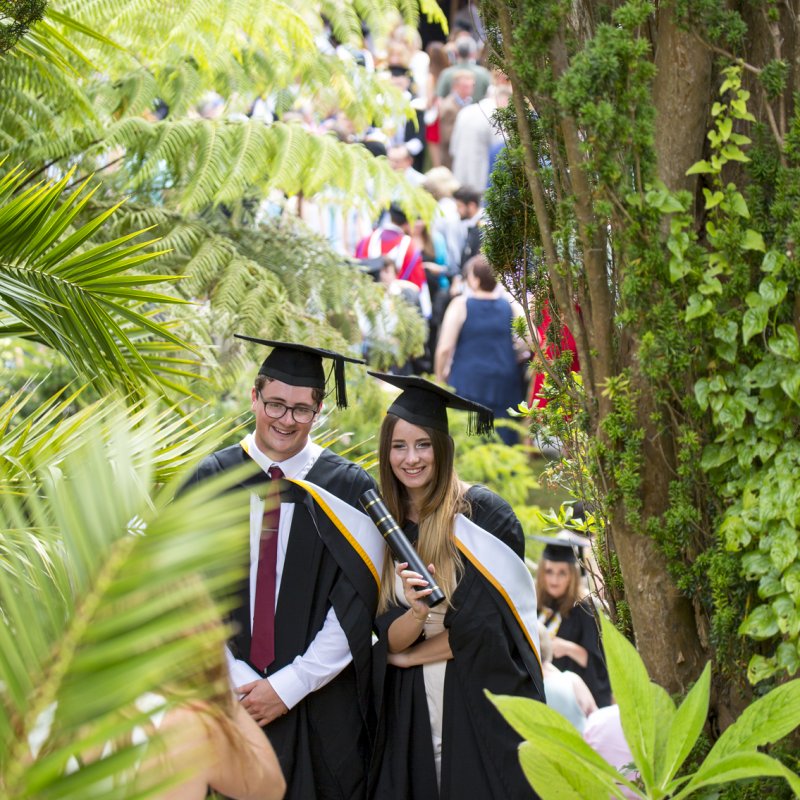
282	438
466	210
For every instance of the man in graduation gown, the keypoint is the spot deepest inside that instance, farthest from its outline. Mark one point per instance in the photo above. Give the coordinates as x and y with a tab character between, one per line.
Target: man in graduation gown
303	622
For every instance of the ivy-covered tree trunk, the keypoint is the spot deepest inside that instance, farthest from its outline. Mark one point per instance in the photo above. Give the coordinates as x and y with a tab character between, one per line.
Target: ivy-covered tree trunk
650	239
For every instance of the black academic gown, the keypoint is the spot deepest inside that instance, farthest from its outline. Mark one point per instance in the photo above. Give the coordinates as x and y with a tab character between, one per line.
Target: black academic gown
323	743
581	627
479	749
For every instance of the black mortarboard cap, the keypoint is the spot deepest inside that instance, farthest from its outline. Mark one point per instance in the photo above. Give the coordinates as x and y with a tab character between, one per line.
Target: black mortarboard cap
301	365
424	403
564	546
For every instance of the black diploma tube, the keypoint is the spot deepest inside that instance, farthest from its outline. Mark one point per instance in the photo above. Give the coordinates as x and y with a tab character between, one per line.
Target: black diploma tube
398	542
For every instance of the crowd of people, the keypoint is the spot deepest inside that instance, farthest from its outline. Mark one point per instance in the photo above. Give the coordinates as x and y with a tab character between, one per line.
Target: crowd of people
362	689
447	148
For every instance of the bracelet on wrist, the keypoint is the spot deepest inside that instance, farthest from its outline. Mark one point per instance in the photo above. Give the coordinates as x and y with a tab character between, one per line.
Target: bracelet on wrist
418	619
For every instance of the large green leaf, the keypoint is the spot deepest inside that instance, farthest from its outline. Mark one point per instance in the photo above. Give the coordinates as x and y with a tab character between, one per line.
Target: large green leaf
556	760
738	766
765	721
684	730
641	704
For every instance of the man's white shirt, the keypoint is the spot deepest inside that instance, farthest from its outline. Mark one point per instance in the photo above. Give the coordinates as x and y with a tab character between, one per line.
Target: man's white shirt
329	652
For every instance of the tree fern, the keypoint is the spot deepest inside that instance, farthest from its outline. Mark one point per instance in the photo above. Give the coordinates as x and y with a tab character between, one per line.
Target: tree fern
274	278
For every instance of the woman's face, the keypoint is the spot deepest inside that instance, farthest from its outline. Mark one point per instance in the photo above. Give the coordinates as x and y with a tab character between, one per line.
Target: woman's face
556	577
411	457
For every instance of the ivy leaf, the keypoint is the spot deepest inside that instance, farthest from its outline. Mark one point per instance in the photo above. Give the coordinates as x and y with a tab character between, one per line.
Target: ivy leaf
760	668
701	391
753	322
701	167
732	412
712	285
698	307
769	586
678	268
726	331
728	351
754	565
753	240
791	581
739	205
788	657
760	623
773	261
735	532
786	344
772	291
713	198
765	374
791	386
786	614
783	546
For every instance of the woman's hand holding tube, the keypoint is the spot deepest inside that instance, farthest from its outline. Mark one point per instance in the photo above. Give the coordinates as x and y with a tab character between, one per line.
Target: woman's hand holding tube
415	587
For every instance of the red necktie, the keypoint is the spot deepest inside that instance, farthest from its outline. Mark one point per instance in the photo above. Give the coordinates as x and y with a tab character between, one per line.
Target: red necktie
262	642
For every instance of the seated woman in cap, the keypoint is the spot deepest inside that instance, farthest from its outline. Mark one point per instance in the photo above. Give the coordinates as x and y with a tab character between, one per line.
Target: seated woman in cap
570	620
441	737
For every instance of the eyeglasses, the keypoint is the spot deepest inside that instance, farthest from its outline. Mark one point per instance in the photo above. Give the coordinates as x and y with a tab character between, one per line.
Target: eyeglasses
275	410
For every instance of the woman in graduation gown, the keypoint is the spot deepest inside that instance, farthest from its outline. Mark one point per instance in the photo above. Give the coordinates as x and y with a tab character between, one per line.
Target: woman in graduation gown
440	735
570	620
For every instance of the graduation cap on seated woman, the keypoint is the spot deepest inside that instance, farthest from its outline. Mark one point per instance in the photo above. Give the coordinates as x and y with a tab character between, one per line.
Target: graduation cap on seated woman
301	365
425	404
565	546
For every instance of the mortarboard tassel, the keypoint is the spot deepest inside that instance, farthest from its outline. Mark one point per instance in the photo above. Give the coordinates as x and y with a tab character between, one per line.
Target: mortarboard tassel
480	422
340	383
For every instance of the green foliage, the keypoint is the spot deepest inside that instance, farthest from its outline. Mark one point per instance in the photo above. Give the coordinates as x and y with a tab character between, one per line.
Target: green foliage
689	437
560	765
93	106
751	393
82	298
15	19
74	98
100	589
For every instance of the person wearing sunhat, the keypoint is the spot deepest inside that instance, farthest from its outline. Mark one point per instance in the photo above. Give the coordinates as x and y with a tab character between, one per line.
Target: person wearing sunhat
439	735
301	651
569	617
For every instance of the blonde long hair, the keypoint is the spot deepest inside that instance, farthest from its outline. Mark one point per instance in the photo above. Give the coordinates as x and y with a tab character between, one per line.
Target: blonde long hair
446	497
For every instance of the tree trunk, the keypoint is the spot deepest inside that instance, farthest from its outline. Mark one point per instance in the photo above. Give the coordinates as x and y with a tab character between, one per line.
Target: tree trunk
681	92
663	619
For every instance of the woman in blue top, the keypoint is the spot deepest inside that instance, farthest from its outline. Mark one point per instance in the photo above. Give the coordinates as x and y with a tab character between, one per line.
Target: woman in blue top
475	354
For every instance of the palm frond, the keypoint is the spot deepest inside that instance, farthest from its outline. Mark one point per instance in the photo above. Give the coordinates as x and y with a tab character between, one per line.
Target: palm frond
102	603
79	299
37	438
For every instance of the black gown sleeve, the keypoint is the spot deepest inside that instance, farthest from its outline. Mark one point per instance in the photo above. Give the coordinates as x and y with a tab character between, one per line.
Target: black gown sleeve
581	627
495	515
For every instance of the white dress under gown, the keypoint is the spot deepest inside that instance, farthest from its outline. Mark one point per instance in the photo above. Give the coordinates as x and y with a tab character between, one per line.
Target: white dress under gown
433	674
